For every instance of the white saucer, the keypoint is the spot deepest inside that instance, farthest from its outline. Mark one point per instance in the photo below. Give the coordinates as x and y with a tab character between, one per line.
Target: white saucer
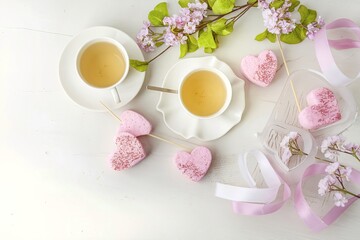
86	96
180	122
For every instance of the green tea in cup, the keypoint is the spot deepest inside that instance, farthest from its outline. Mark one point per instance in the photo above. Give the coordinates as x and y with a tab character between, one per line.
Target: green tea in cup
103	63
205	93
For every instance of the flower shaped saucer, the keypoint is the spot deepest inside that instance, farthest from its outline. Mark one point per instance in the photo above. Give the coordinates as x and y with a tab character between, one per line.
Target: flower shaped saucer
180	122
86	96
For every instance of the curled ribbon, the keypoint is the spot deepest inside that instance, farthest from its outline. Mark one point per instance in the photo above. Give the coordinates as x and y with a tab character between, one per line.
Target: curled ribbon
323	53
303	209
260	201
253	200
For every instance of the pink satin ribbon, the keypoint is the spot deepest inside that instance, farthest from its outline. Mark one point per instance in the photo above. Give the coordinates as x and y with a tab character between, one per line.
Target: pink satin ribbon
303	209
323	52
258	204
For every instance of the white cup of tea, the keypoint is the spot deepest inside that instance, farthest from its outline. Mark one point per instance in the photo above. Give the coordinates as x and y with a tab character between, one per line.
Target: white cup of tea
205	93
103	63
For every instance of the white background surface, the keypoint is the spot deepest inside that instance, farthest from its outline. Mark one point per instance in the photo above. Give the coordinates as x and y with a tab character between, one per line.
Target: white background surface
54	177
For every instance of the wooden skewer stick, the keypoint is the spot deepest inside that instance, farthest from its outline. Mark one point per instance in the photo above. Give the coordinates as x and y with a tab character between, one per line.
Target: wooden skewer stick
151	135
288	73
292	88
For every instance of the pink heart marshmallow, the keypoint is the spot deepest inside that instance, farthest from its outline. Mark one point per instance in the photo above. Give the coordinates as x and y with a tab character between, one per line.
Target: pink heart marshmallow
134	123
323	109
261	69
128	153
194	165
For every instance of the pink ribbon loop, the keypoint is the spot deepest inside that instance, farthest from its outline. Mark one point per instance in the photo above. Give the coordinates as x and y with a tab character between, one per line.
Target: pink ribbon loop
311	219
323	52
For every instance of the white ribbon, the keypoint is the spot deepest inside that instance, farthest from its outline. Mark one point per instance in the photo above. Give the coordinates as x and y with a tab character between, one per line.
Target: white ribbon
252	194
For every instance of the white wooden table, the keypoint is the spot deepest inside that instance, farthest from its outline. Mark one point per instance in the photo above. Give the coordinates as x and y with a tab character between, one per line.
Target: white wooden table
54	177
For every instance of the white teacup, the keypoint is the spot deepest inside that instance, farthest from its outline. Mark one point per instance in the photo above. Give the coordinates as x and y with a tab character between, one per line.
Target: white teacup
205	93
103	63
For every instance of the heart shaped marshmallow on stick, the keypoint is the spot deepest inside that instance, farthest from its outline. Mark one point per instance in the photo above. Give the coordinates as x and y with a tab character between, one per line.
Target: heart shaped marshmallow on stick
261	69
134	123
130	151
322	109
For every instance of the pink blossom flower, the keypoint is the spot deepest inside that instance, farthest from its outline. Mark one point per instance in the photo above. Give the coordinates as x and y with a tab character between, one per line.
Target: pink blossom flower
332	168
277	21
264	3
286	155
314	27
197	17
285	146
198	6
329	146
169	21
190	28
336	174
345	173
178	26
351	147
144	39
340	199
172	39
325	183
286	140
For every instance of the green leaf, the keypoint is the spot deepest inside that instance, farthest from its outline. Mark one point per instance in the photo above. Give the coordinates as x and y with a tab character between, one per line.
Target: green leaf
183	3
157	15
277	4
192	44
206	39
221	28
294	4
296	36
219	25
156	18
271	37
311	17
211	3
266	35
209	50
162	7
216	40
251	1
158	44
183	50
139	65
229	28
223	6
262	36
304	12
307	15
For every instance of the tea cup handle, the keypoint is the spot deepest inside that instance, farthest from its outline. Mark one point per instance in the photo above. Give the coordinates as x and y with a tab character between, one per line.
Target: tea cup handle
115	95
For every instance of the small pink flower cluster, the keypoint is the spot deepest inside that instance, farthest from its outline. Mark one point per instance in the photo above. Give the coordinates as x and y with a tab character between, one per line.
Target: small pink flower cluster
337	174
332	146
288	145
177	27
334	182
280	21
145	38
277	21
314	27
